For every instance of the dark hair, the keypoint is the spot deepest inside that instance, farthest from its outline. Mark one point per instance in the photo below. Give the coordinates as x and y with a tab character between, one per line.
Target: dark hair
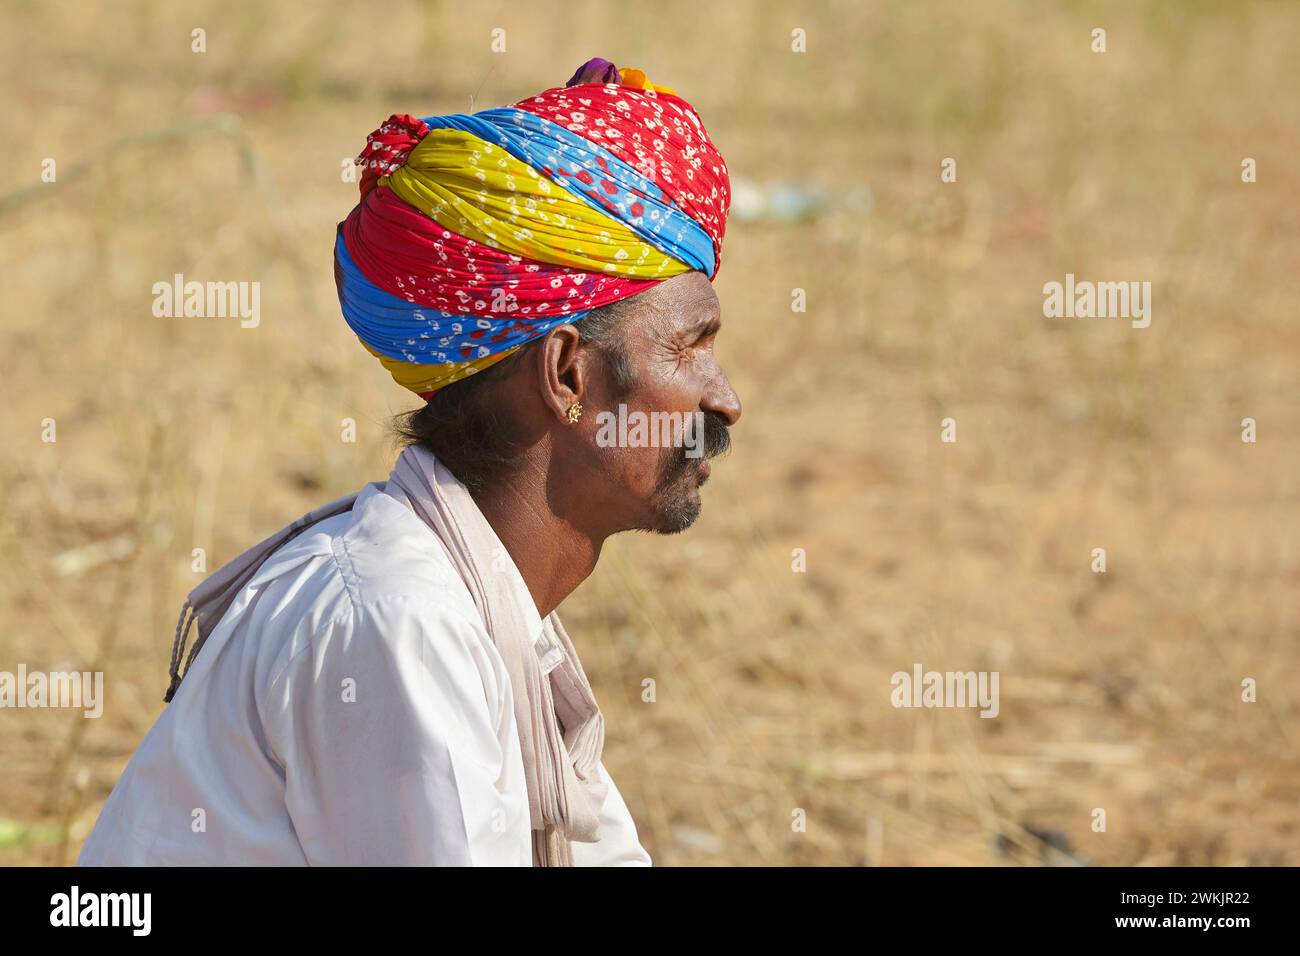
469	431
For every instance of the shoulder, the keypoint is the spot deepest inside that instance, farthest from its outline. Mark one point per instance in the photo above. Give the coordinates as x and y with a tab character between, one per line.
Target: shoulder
396	603
372	565
405	595
389	558
408	647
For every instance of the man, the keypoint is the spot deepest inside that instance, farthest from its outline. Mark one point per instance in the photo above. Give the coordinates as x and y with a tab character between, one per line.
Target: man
385	681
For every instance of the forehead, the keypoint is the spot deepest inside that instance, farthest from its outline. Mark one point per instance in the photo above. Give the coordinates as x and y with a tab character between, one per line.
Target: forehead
678	304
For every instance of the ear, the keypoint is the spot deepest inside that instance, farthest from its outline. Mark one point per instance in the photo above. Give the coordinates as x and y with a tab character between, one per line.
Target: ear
564	370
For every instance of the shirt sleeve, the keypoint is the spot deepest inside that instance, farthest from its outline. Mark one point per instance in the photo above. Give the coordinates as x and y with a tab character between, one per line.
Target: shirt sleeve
397	736
618	844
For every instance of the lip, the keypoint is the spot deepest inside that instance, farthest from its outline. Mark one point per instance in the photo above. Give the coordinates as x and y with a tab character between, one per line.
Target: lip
705	470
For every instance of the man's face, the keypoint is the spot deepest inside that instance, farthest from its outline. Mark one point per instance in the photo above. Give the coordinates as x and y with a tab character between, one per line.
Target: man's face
654	441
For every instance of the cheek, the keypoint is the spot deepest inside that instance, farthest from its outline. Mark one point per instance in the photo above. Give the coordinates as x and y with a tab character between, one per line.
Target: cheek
631	452
637	461
637	468
678	387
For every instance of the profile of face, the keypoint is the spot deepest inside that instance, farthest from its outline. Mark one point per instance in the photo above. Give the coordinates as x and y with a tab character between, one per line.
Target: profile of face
653	425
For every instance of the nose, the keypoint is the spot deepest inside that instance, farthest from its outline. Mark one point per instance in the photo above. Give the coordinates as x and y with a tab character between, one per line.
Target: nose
722	399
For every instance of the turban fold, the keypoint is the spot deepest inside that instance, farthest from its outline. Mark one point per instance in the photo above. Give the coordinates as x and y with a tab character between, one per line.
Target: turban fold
477	234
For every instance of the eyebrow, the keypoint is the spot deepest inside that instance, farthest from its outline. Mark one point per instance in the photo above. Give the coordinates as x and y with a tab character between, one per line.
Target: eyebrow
706	327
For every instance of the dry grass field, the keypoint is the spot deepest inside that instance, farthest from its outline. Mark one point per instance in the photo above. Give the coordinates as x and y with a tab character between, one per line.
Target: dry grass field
1120	691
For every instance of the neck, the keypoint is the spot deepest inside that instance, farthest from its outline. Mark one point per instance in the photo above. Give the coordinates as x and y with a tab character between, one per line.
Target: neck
552	553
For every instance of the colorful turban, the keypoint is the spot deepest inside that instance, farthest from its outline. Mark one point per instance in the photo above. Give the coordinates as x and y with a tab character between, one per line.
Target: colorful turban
477	234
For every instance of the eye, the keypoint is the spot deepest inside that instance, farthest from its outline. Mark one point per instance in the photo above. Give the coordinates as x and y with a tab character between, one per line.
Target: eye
708	333
683	342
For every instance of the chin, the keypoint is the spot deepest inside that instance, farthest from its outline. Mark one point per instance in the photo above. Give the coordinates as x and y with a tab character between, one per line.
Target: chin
677	519
675	508
676	504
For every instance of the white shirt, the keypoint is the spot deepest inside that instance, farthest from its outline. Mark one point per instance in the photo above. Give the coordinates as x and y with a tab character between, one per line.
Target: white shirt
349	708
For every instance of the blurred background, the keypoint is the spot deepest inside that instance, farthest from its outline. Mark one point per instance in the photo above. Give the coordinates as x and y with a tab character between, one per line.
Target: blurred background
1119	691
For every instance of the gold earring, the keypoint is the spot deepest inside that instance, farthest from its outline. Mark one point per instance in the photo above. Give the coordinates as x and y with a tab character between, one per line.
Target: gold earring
575	412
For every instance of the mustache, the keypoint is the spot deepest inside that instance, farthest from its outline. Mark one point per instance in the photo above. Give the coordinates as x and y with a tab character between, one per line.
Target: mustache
714	440
717	435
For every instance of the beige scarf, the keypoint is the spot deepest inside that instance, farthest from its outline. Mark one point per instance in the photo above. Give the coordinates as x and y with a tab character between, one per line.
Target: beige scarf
561	729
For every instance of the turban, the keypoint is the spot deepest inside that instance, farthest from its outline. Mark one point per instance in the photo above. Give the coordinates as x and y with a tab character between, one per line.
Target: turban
478	233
